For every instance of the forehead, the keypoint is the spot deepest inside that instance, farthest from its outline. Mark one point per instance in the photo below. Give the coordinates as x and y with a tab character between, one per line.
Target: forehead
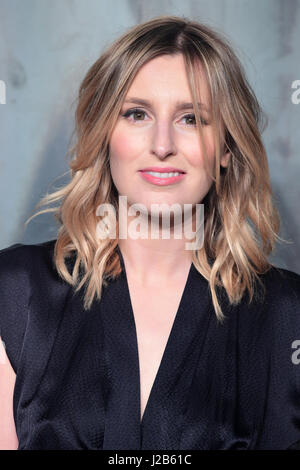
165	77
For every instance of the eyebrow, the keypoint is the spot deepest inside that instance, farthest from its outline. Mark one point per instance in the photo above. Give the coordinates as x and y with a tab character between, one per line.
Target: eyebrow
179	104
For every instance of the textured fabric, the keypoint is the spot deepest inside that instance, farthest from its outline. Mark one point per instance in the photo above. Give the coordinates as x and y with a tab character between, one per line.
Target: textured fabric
219	386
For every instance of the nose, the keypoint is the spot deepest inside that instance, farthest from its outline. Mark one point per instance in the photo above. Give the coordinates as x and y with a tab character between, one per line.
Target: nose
163	143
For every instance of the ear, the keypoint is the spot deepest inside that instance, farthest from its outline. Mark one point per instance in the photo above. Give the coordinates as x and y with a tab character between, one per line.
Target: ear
225	159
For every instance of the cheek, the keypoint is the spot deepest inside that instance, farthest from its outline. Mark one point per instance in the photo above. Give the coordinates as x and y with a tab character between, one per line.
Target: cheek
196	153
123	147
120	151
123	152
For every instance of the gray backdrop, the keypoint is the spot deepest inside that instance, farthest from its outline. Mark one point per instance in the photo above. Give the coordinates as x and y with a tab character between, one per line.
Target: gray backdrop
46	47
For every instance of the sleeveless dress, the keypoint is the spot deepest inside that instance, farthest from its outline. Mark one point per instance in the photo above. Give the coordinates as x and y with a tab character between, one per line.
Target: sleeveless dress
234	385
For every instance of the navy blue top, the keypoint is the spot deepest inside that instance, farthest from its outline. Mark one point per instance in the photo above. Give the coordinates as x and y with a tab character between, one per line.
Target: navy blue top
234	385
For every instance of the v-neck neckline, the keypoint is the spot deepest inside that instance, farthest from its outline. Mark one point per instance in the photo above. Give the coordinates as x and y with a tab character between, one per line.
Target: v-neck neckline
174	331
163	417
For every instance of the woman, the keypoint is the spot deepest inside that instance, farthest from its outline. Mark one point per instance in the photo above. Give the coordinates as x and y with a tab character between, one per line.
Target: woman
140	343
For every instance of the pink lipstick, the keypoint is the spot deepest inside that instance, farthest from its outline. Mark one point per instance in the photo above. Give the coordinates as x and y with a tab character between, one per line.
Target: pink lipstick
162	176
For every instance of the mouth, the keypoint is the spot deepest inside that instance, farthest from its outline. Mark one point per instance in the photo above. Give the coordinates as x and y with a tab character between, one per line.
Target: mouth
162	176
162	171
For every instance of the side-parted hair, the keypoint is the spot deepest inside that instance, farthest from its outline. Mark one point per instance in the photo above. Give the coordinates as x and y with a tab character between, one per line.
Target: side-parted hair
241	223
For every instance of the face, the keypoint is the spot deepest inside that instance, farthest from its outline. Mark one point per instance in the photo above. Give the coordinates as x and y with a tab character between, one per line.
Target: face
161	133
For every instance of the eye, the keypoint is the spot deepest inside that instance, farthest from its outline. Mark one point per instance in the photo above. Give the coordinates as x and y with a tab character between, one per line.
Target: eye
141	113
190	117
193	118
135	111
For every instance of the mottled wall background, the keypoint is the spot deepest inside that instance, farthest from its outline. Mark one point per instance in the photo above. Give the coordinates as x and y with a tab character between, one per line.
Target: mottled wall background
46	47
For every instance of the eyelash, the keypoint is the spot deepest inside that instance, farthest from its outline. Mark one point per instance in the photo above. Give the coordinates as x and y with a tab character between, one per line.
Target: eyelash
137	110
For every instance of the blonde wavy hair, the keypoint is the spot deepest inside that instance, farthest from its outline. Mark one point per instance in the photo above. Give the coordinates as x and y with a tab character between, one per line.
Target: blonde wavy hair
241	221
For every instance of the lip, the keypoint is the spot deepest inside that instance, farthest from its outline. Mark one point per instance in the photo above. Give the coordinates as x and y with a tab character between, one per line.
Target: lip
156	180
160	169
